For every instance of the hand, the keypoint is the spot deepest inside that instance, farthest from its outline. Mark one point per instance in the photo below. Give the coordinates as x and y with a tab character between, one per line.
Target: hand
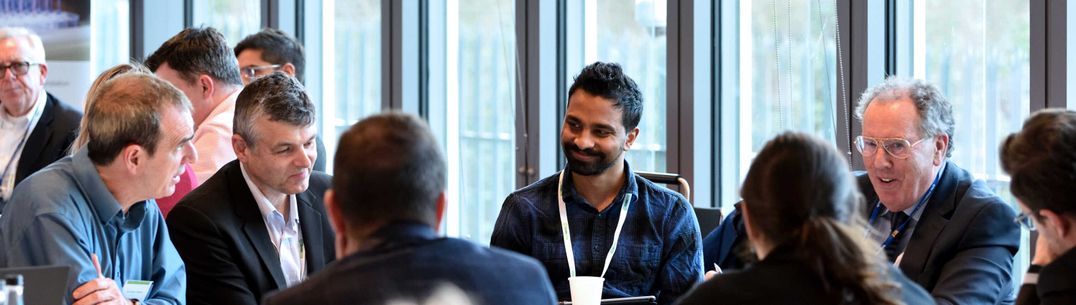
710	274
100	290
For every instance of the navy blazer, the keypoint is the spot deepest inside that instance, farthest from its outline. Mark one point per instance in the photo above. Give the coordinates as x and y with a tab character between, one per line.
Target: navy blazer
963	245
408	262
220	234
51	138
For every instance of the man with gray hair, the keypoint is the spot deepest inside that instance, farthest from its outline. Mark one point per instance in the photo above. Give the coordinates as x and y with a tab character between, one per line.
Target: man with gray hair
258	225
35	127
945	230
94	211
199	62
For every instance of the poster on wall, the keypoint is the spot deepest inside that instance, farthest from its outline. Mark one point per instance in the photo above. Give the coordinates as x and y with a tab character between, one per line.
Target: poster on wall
64	27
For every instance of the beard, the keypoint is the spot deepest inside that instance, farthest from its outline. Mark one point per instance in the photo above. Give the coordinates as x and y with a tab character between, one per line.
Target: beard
586	168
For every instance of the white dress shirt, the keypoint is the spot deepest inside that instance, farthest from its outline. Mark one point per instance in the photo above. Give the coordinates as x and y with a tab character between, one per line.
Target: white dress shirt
13	132
283	232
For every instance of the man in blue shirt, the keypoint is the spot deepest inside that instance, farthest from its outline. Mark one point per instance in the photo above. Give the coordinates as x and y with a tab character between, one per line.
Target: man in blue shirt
649	232
386	200
94	211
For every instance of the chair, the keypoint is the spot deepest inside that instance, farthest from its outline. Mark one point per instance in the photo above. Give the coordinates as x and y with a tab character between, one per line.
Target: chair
709	218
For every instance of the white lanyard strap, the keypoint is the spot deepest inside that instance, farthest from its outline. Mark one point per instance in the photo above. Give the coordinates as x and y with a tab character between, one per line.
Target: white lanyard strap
568	237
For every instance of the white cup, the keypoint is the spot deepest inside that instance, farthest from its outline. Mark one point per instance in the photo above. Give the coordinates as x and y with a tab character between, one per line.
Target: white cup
586	290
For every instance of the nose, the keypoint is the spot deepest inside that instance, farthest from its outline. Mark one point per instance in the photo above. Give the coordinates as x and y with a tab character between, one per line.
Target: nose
583	140
882	159
305	159
191	155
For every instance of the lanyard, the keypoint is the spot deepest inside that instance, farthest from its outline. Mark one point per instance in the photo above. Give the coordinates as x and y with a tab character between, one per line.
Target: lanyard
25	136
900	228
568	237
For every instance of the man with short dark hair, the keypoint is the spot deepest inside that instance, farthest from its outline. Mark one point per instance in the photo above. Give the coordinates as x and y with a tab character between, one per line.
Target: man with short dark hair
642	238
1041	160
271	50
35	127
199	62
258	225
946	230
387	198
97	204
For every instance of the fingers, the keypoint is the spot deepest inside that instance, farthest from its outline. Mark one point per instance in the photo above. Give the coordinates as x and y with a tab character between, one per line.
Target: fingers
96	265
710	274
97	291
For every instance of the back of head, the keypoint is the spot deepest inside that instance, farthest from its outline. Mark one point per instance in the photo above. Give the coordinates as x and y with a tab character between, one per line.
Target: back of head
27	37
197	51
127	110
935	111
277	48
608	80
278	96
800	194
1041	158
388	167
109	74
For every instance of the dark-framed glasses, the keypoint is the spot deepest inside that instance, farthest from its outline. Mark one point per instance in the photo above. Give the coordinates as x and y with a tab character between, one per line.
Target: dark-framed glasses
17	68
1024	219
252	71
899	148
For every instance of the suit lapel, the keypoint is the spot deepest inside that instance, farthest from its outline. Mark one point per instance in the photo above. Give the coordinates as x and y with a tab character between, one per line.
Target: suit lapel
931	224
313	238
34	148
253	223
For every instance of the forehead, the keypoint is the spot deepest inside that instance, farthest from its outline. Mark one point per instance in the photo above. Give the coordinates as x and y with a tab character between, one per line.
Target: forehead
251	57
895	118
177	124
594	109
17	49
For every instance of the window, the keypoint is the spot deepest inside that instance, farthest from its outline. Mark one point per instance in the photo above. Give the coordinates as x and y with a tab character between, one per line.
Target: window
779	73
632	34
351	73
233	18
478	75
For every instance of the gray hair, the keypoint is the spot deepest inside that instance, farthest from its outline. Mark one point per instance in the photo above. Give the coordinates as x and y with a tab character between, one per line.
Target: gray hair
279	96
935	111
27	36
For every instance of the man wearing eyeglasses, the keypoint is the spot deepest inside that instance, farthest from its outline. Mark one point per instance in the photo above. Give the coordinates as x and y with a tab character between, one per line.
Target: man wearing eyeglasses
268	51
35	127
945	230
1041	159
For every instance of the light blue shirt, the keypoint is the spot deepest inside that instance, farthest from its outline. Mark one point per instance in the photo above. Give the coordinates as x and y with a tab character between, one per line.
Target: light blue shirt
64	213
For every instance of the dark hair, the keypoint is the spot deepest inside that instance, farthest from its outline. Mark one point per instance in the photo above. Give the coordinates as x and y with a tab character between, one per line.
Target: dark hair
197	51
817	219
127	110
389	167
277	95
607	80
1041	159
277	48
934	110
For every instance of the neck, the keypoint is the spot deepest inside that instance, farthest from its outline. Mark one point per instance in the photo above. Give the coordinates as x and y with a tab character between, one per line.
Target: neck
358	238
600	190
115	181
762	248
200	114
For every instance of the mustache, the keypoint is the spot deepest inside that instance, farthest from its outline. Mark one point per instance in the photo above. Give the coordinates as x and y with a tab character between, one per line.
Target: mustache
590	152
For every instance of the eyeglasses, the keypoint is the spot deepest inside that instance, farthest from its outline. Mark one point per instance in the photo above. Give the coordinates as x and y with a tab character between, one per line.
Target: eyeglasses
1024	219
899	148
252	71
17	68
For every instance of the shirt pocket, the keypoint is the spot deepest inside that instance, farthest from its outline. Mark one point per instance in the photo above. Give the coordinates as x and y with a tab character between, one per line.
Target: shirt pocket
636	266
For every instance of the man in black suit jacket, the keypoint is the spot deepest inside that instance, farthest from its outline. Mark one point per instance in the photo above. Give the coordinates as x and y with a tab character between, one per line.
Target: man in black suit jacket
386	200
25	104
258	224
948	232
1041	159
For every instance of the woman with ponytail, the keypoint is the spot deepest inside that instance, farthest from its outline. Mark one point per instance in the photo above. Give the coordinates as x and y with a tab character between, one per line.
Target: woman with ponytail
801	210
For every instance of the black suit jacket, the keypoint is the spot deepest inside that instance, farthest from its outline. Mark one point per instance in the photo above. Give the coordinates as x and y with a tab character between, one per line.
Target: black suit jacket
221	236
783	278
1056	284
50	139
963	245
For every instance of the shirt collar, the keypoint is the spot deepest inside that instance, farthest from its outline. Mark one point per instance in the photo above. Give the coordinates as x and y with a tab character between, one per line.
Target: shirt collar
630	188
267	209
102	200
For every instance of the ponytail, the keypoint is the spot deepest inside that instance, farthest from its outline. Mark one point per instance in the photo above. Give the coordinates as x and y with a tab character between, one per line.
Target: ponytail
848	271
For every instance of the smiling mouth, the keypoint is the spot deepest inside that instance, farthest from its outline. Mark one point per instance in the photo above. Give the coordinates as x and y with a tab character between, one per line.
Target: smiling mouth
886	180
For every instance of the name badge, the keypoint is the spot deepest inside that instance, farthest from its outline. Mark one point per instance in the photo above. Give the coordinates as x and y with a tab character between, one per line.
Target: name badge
138	290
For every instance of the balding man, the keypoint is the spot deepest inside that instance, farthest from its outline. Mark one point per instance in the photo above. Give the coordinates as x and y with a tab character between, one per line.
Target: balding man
96	206
35	127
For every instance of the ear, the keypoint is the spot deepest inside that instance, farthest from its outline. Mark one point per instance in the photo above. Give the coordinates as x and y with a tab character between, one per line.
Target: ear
941	147
440	212
336	220
207	86
44	71
288	69
240	147
632	135
132	157
1058	223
